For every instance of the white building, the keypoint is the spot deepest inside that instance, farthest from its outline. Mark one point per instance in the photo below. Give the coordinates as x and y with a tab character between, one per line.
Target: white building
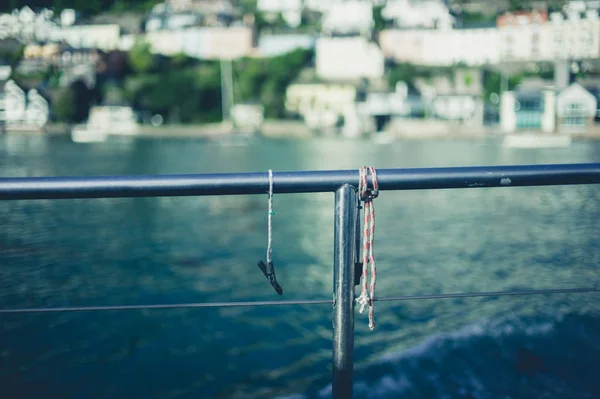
456	107
290	10
165	42
9	26
19	109
524	36
576	36
472	47
518	37
348	17
321	105
28	26
535	36
432	14
171	21
5	72
103	37
344	58
576	108
275	45
528	108
68	17
203	42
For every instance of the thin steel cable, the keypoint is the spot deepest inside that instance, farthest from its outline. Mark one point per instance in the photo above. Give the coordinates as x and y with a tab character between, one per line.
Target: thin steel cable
170	306
299	301
488	294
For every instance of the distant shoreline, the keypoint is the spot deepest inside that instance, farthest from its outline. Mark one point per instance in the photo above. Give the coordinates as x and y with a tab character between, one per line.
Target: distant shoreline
298	130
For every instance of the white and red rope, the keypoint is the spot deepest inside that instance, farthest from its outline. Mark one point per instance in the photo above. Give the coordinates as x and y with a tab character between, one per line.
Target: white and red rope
367	195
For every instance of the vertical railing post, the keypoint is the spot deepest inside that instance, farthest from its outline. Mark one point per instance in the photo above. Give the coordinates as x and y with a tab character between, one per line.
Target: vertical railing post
343	288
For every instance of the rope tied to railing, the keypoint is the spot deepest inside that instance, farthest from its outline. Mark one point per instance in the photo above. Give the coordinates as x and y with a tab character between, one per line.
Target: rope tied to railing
269	269
270	220
367	195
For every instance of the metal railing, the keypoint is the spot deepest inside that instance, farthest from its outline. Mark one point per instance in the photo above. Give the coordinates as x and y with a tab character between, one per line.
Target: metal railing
344	185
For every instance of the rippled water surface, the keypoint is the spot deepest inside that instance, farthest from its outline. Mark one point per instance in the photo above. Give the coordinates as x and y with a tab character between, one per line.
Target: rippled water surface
155	250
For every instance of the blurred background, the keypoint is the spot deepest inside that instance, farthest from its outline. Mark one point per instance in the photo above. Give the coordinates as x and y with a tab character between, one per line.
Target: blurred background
125	87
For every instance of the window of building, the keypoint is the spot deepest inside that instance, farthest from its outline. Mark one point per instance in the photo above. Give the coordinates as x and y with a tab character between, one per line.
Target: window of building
558	43
535	45
587	40
574	115
509	46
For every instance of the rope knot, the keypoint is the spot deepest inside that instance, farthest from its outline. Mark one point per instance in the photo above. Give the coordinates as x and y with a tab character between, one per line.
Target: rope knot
367	193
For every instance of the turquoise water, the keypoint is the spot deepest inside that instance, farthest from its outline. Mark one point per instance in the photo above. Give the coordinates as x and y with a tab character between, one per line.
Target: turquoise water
154	250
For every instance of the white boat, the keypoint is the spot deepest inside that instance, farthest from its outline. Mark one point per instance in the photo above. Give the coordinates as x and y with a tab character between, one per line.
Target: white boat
383	138
104	121
85	134
537	140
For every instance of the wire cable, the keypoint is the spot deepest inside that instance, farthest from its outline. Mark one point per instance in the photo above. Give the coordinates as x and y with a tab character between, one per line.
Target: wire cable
295	302
488	294
168	306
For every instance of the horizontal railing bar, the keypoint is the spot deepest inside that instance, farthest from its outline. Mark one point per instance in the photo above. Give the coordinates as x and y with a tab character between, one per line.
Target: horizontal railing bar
296	302
294	182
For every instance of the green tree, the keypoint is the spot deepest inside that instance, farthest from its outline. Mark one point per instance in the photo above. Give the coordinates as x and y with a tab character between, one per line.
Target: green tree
468	80
493	82
266	80
379	22
247	6
180	60
187	95
73	103
140	57
64	106
260	22
519	5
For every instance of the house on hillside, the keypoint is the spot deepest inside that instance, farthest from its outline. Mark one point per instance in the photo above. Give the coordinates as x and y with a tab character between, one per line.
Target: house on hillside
429	14
72	63
531	106
348	58
29	26
21	109
380	105
205	7
77	64
576	109
36	58
320	104
471	47
348	17
5	70
164	17
279	44
210	43
290	10
9	26
105	37
455	97
177	14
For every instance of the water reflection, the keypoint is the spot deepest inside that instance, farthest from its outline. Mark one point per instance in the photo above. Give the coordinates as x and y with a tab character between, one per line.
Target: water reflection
151	250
